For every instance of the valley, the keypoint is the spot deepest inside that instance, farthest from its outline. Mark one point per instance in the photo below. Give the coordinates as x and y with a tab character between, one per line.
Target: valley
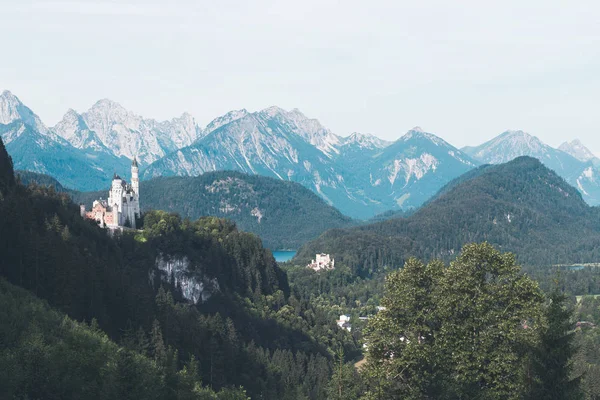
219	284
299	200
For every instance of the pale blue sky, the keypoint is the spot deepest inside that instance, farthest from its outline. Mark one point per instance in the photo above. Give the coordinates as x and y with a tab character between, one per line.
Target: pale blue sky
466	71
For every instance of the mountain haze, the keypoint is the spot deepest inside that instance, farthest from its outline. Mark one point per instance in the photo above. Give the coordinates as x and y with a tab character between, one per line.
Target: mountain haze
520	206
108	126
361	175
579	151
512	144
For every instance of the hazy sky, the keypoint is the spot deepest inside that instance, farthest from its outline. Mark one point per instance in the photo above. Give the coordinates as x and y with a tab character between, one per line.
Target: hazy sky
466	71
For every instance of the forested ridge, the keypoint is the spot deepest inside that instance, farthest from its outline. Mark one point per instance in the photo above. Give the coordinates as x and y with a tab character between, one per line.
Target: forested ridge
196	309
284	214
249	332
44	354
29	177
520	206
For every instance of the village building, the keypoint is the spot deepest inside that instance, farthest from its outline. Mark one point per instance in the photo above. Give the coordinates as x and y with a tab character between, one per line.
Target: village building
344	322
322	262
122	208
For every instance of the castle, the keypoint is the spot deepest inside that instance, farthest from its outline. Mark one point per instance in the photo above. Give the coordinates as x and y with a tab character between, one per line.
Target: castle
122	208
322	262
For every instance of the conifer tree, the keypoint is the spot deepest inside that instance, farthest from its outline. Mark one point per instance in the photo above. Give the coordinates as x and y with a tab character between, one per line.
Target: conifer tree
159	350
554	354
7	174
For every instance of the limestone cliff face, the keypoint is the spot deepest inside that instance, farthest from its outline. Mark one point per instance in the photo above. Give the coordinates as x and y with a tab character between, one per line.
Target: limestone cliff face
180	272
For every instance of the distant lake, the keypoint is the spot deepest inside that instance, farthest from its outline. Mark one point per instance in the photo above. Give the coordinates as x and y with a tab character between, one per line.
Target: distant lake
283	256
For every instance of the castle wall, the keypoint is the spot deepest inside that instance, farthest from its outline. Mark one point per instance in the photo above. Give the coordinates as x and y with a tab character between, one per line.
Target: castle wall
122	205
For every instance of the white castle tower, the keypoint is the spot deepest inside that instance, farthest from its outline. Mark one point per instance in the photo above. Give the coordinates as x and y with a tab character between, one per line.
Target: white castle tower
125	199
135	180
122	208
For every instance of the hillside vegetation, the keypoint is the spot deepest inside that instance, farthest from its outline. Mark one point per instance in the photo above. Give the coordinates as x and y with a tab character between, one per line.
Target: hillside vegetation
198	290
284	214
520	206
46	355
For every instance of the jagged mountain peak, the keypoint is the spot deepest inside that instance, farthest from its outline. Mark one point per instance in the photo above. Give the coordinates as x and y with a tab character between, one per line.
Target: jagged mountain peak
12	109
577	150
106	102
8	94
512	144
519	136
517	132
73	128
186	115
9	107
111	111
273	111
128	134
310	129
365	140
417	132
225	119
71	119
71	112
509	145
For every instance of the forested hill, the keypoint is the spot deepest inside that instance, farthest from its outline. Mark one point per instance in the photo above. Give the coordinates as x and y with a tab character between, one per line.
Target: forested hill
179	293
284	214
28	177
46	355
520	206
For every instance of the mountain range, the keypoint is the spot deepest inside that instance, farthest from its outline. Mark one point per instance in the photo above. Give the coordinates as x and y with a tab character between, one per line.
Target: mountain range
520	206
361	175
572	161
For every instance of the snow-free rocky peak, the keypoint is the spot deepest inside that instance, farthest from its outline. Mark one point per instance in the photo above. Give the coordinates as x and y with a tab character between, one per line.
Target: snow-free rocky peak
418	133
70	125
309	129
73	128
181	131
109	126
365	141
12	109
512	144
224	120
577	150
508	146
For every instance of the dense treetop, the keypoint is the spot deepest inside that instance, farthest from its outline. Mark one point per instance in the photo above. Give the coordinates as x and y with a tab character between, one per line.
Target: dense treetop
46	355
475	329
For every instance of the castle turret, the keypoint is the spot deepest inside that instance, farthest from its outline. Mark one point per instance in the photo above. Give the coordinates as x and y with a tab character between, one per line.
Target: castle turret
135	181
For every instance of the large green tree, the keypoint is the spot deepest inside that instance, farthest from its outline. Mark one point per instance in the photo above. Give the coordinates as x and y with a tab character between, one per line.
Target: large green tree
401	338
462	331
490	315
